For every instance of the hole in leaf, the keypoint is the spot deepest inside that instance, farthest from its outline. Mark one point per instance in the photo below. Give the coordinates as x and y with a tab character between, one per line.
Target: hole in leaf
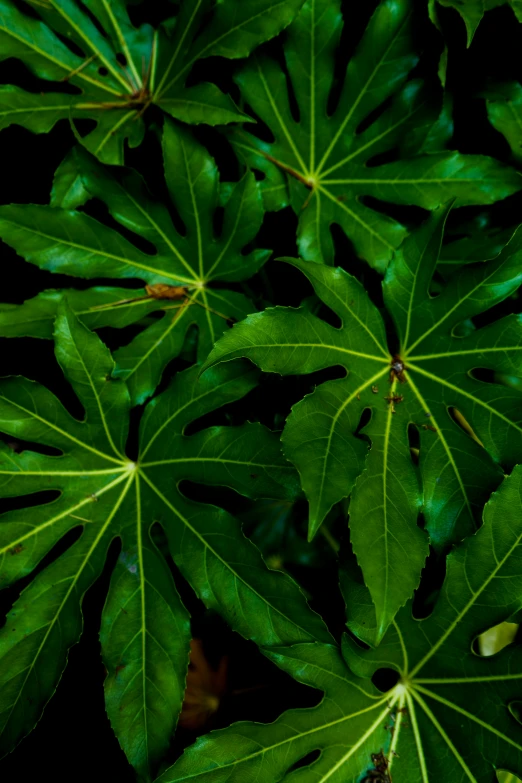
102	70
269	402
495	639
217	221
278	232
132	447
222	497
121	59
409	216
328	315
347	259
18	446
463	423
312	304
306	761
464	328
414	443
67	41
385	679
190	600
245	251
97	209
220	149
432	579
261	130
27	9
92	16
388	156
421	521
515	708
84	126
373	116
43	498
356	17
483	374
366	415
186	357
292	99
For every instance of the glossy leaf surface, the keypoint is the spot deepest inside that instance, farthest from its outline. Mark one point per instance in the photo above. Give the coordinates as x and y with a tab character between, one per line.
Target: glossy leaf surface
450	715
439	383
102	495
122	70
328	157
71	242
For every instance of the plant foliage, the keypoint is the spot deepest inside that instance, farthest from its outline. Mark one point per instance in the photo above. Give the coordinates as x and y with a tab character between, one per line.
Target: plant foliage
472	11
272	470
331	156
465	425
447	717
73	243
102	494
119	70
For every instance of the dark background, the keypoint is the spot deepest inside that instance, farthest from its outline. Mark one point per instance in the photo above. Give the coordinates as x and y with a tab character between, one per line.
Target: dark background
73	741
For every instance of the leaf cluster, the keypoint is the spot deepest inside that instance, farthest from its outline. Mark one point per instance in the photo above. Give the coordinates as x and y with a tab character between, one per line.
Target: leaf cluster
268	311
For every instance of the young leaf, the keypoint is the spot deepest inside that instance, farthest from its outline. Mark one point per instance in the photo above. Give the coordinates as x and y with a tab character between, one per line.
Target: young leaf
435	384
122	70
103	495
74	243
326	154
451	715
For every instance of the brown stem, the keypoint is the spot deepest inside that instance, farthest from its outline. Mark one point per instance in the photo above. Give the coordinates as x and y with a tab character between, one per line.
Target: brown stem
279	164
292	172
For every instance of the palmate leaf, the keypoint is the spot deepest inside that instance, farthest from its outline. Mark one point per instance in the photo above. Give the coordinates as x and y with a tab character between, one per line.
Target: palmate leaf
451	715
466	425
472	11
329	160
73	243
123	69
145	631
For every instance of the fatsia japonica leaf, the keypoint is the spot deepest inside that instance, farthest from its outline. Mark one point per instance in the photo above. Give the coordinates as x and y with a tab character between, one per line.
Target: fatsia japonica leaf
436	381
329	157
72	242
103	495
122	70
452	714
472	11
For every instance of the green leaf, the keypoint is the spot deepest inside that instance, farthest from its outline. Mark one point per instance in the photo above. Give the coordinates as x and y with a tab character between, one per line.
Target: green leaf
504	106
68	190
103	495
451	715
480	243
330	159
73	243
466	425
157	64
472	11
